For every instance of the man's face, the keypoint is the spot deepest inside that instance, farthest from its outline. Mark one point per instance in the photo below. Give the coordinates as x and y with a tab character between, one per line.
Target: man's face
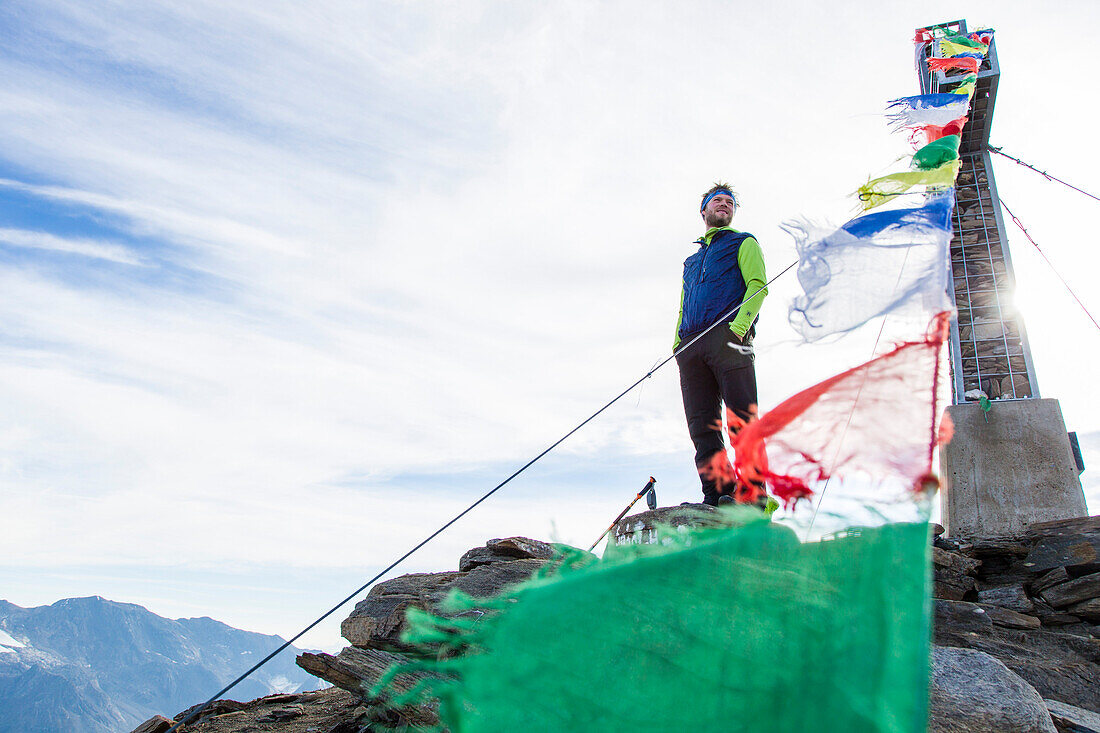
718	211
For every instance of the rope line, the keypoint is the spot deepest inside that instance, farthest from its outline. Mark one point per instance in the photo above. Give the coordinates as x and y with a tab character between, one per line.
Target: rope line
1044	174
1050	264
470	508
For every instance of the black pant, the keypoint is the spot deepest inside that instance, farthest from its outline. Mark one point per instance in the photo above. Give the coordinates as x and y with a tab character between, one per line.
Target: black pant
711	372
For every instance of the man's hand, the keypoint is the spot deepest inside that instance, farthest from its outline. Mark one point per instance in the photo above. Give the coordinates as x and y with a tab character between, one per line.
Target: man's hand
737	343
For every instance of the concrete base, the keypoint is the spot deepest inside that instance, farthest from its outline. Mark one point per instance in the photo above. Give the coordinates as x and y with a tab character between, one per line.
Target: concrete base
1014	470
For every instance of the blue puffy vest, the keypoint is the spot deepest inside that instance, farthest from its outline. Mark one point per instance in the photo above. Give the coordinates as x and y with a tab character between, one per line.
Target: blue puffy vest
713	283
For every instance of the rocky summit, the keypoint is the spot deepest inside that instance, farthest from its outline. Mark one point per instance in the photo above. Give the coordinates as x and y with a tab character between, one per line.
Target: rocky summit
1016	636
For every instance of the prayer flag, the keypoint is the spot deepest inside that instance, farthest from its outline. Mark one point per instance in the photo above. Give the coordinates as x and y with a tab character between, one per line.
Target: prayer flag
883	262
880	190
926	109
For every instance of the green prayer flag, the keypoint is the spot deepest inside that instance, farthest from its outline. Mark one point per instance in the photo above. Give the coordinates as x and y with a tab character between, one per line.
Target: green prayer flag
937	152
739	628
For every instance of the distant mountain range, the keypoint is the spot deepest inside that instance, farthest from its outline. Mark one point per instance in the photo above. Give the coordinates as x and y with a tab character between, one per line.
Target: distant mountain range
89	665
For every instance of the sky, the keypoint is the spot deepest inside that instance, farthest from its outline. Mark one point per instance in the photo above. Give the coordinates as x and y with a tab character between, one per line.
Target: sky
287	285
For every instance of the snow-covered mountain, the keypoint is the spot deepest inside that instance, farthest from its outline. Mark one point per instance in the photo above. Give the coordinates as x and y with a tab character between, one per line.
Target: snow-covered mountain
90	665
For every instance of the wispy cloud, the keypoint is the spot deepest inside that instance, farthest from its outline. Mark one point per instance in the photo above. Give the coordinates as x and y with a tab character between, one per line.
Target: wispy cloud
78	246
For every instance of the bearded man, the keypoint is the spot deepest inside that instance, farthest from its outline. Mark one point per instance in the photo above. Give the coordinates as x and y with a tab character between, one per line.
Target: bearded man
727	271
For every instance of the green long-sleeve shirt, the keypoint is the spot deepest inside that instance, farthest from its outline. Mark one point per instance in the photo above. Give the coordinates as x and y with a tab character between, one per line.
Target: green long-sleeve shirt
750	258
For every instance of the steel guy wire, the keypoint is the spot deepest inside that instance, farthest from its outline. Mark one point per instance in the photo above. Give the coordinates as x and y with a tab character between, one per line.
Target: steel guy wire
1044	174
1050	264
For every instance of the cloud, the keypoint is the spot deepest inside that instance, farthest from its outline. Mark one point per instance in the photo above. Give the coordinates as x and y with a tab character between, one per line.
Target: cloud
78	246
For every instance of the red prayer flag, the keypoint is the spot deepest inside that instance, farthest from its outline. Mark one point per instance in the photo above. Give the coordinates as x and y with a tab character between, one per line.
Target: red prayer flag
877	420
964	63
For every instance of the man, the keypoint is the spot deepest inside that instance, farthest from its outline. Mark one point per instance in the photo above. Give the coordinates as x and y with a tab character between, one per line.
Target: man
726	271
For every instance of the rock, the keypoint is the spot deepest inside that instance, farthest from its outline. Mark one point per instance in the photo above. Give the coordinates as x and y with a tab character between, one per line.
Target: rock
954	544
358	670
960	617
1074	591
476	556
1059	666
353	669
1011	597
155	724
1089	609
218	707
1081	628
1010	619
379	619
1054	577
1061	619
1071	719
511	548
281	714
953	574
972	692
488	581
523	548
1065	543
1050	617
418	584
954	563
1008	548
950	591
321	711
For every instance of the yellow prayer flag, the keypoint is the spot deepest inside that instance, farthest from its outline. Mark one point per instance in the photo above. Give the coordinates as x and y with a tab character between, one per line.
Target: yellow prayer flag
950	48
880	190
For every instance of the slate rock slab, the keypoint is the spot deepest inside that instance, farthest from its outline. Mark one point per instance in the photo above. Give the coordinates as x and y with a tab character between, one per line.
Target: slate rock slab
1070	719
379	619
353	669
358	670
278	715
960	617
155	724
953	574
1012	597
1010	619
218	707
1053	577
330	710
1065	594
1089	609
954	563
504	550
1065	543
1059	666
1051	617
972	692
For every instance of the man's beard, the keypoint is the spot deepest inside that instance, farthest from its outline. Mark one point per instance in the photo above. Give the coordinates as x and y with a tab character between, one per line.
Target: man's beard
717	219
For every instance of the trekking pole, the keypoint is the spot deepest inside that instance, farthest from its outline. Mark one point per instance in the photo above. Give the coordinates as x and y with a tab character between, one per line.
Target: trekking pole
647	489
